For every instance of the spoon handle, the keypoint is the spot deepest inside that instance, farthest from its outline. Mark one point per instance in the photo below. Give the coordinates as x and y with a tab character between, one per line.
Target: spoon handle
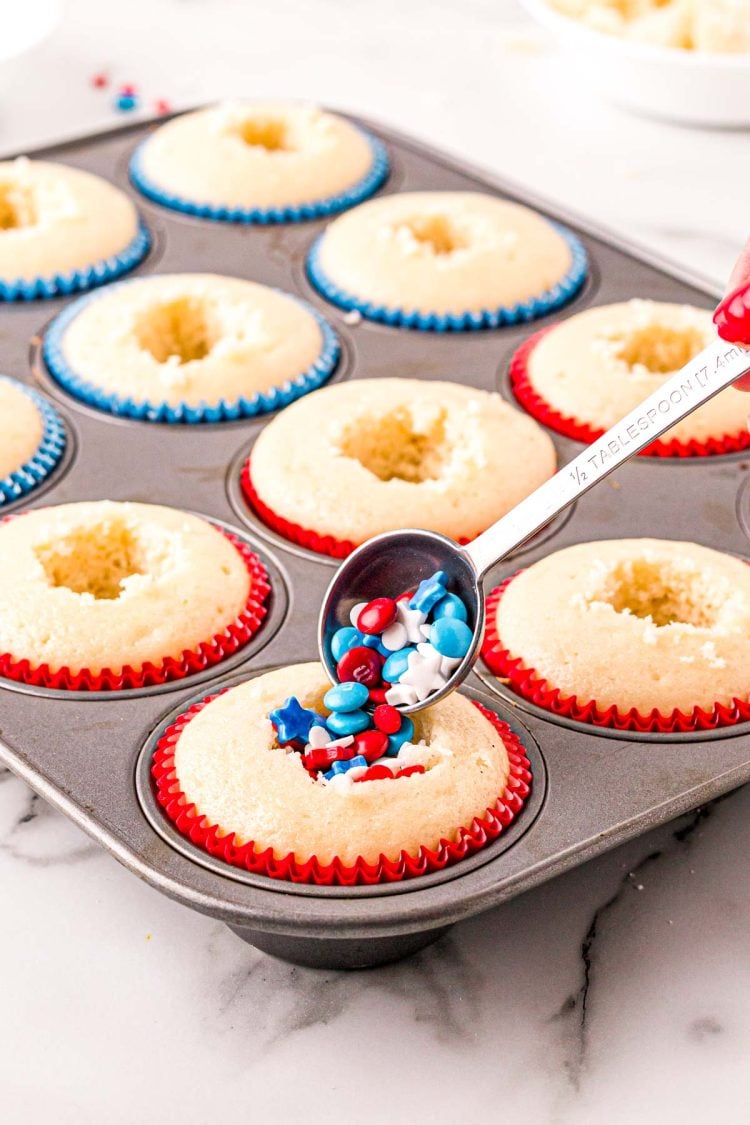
711	371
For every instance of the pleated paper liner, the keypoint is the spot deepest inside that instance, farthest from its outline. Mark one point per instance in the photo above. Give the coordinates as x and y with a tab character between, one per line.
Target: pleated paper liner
87	277
206	655
302	536
222	844
527	682
539	408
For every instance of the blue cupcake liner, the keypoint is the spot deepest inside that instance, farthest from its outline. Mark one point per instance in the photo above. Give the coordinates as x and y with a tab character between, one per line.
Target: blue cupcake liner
47	455
560	293
76	281
265	216
144	411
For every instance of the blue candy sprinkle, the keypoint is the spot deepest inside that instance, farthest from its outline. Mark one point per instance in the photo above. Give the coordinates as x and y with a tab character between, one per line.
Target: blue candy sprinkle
397	663
451	637
126	102
347	722
293	721
344	639
344	767
450	606
402	735
346	697
370	640
429	592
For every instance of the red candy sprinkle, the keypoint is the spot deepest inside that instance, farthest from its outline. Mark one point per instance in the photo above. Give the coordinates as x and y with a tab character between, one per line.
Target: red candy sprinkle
376	616
386	718
377	694
128	90
371	744
407	594
360	664
410	769
320	758
100	81
162	106
375	773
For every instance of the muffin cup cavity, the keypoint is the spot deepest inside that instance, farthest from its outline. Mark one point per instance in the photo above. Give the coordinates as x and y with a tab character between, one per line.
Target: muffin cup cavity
373	179
527	682
537	406
221	844
209	653
45	458
546	302
262	402
87	277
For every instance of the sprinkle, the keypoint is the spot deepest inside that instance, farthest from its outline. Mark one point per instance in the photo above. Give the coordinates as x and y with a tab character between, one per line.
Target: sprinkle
429	592
100	81
124	103
293	721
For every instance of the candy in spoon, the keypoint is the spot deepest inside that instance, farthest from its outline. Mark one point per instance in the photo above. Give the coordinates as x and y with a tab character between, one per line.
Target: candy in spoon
381	569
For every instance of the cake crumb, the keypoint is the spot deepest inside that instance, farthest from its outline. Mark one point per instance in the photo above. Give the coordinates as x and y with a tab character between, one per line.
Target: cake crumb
352	318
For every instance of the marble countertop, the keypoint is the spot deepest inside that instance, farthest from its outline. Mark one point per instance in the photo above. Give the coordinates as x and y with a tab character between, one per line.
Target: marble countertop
619	992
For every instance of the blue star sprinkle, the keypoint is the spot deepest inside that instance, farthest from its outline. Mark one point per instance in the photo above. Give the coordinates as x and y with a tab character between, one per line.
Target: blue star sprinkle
429	592
293	721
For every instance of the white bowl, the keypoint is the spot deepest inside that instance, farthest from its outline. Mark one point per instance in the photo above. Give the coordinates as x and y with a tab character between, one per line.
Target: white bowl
691	87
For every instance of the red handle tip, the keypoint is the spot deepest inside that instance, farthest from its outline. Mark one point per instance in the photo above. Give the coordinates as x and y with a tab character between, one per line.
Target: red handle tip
732	316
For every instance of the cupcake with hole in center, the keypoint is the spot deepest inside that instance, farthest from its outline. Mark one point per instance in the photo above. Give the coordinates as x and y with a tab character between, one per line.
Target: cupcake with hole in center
103	595
581	376
446	261
357	459
641	634
190	348
63	230
32	440
259	162
237	773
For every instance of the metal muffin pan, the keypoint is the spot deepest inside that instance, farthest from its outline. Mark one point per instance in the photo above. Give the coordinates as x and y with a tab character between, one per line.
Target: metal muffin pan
88	755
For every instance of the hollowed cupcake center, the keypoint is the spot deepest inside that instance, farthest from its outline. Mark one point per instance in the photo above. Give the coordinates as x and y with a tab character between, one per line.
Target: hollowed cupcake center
660	348
94	560
181	330
436	234
664	592
270	133
17	206
396	446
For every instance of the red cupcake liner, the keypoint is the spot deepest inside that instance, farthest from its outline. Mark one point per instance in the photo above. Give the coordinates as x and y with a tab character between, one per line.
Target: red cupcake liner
535	405
217	843
529	684
206	655
302	536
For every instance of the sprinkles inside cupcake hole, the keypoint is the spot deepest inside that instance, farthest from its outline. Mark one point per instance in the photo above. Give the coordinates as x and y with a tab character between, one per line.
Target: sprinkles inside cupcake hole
660	348
182	330
270	133
17	206
93	560
668	594
436	234
392	446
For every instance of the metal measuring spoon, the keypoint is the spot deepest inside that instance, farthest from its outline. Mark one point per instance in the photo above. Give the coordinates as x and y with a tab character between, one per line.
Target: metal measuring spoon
398	560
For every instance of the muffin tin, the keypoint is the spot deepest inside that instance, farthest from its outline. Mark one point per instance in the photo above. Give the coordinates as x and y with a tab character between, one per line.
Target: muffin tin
89	754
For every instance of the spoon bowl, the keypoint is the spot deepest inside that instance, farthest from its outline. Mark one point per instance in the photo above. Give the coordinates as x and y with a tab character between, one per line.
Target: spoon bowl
390	564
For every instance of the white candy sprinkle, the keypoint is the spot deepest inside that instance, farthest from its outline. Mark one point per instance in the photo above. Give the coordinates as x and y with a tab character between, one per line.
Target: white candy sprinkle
356	612
389	763
423	674
426	631
354	316
413	754
401	695
411	619
394	637
318	738
356	771
448	665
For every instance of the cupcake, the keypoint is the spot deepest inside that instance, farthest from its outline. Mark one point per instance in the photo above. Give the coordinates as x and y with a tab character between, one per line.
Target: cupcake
105	595
690	25
357	459
259	162
32	439
641	634
190	348
582	376
446	261
62	230
233	779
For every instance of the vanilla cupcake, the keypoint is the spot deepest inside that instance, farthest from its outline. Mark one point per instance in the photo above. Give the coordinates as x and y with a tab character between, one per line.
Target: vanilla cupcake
644	634
446	261
259	162
190	348
108	595
360	458
583	375
32	440
228	783
63	230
